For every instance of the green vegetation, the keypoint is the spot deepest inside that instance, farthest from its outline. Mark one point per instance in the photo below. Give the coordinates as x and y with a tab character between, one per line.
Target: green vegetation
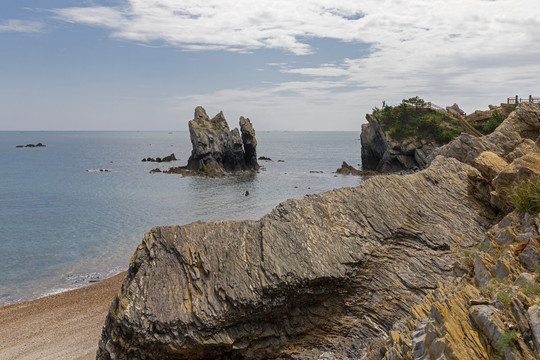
469	254
532	289
526	196
503	297
508	339
501	281
494	121
412	119
487	127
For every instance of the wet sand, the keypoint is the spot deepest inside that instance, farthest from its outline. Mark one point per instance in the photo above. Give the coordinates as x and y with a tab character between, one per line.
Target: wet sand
61	326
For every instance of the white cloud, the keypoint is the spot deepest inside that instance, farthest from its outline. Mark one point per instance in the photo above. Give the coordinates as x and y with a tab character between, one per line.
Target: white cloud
14	25
471	51
241	25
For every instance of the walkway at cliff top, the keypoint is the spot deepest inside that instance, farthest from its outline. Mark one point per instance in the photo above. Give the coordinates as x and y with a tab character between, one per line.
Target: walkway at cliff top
516	100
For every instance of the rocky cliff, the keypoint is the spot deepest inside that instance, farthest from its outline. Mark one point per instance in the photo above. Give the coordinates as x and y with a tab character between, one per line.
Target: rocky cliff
217	150
323	276
402	137
381	153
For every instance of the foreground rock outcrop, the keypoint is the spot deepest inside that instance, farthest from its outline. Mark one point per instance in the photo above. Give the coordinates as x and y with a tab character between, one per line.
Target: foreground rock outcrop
217	150
342	264
323	276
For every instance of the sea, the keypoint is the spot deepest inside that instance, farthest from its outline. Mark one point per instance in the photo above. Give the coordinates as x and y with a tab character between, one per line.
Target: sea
65	223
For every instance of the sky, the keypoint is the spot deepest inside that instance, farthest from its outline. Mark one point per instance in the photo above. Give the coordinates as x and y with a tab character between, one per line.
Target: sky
287	65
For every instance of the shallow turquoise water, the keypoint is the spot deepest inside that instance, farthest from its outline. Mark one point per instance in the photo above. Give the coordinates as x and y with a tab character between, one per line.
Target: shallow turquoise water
62	226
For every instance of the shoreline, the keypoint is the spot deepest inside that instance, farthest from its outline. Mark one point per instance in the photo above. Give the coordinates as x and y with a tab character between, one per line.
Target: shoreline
66	325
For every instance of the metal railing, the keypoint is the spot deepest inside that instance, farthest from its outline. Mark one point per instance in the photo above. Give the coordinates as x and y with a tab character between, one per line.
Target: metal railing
516	100
430	105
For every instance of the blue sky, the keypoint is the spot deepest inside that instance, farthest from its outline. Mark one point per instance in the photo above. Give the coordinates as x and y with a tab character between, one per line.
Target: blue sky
306	65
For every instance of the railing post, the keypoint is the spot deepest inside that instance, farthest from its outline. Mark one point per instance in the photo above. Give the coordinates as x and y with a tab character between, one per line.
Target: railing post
516	100
530	98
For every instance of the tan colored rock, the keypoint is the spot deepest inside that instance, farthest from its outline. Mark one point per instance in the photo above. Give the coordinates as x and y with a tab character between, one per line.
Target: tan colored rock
523	123
521	169
449	333
527	146
489	164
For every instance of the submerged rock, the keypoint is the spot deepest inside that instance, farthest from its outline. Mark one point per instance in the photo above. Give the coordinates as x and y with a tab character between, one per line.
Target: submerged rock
347	169
167	158
31	145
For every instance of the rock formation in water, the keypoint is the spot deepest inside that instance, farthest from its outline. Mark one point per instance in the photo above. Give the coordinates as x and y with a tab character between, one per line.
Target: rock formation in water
323	276
31	145
167	158
347	169
217	150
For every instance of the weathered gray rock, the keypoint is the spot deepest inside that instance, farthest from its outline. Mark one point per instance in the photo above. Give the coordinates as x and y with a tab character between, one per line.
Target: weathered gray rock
500	270
374	144
381	154
313	274
250	143
529	257
520	315
525	279
455	110
419	349
217	150
491	326
481	273
533	315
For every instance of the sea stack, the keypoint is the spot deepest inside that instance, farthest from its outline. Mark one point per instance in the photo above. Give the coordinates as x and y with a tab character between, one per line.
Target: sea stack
217	150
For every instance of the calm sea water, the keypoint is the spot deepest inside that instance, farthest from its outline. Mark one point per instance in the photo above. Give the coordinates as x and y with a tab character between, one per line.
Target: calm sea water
62	227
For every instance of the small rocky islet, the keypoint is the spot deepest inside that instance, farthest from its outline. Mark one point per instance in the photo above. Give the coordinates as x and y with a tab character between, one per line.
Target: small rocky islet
217	150
434	264
31	145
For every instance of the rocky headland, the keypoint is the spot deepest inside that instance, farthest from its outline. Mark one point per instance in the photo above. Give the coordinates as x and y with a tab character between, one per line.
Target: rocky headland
217	150
437	264
402	137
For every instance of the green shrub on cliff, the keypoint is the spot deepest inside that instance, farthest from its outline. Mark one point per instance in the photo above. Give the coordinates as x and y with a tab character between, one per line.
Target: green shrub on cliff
412	119
526	196
488	126
491	124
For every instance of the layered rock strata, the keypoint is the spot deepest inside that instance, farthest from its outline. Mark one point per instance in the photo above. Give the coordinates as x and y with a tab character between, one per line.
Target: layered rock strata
339	265
217	150
489	312
323	276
